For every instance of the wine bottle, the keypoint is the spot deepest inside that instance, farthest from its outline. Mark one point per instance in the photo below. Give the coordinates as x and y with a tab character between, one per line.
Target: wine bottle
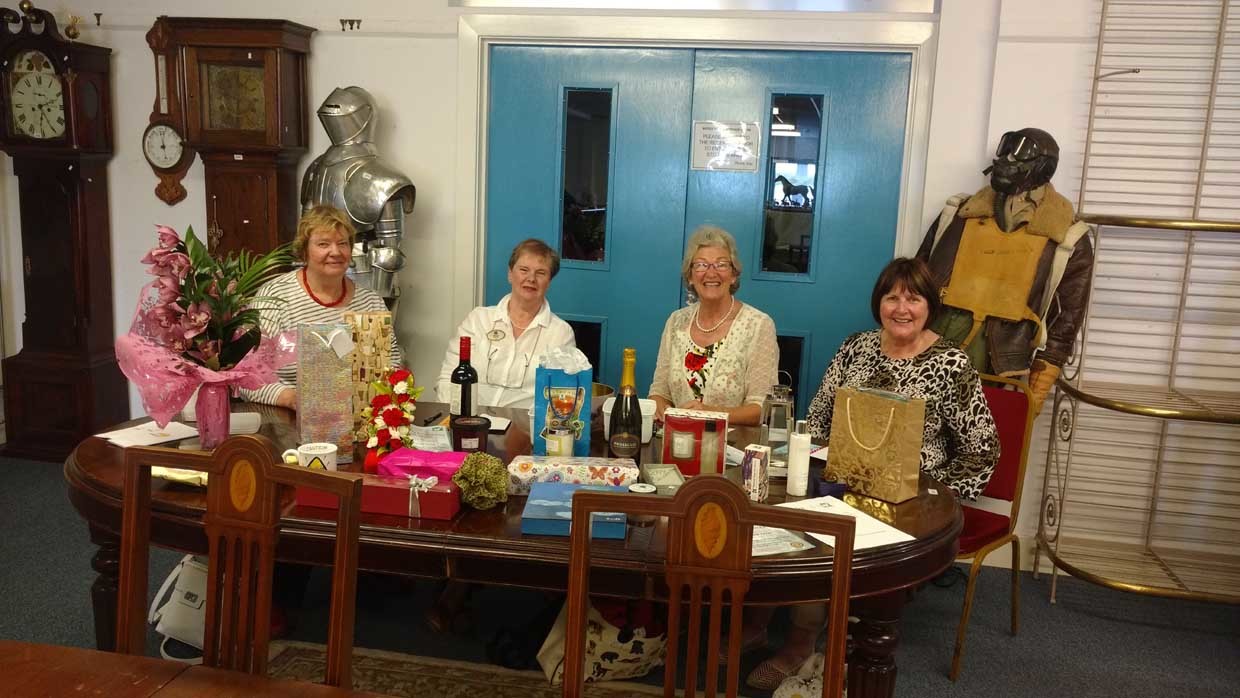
625	427
464	397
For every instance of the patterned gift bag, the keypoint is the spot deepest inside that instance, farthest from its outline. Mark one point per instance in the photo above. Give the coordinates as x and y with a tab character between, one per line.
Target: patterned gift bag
325	386
875	443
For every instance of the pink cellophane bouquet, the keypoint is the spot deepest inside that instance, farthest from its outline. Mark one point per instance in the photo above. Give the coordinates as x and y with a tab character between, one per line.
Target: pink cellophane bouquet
196	323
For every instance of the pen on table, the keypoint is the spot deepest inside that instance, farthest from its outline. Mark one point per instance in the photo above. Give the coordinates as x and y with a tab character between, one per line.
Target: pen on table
431	420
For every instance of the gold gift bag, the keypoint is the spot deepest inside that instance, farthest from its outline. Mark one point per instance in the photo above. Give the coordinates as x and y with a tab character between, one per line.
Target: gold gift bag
875	443
372	355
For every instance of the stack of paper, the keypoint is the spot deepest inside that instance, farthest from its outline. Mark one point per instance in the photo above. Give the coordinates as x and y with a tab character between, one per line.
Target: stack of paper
871	533
149	434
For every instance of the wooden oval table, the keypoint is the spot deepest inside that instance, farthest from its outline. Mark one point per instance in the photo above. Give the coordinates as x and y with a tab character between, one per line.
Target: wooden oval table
487	547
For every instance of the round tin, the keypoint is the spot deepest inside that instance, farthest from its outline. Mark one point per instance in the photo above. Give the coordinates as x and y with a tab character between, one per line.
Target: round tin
641	488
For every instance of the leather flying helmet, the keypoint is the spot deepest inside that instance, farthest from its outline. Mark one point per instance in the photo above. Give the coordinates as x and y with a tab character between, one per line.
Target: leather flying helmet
1025	160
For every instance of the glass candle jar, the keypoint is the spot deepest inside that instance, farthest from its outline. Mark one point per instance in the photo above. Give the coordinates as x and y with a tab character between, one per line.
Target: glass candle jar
469	434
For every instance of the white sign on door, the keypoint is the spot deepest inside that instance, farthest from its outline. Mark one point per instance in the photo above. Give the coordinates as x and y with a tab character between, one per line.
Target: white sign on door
726	145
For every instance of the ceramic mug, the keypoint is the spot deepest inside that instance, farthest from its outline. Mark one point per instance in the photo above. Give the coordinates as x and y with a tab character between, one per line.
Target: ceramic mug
316	455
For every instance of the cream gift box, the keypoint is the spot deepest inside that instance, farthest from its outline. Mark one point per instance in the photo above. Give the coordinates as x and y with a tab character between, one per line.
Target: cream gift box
524	471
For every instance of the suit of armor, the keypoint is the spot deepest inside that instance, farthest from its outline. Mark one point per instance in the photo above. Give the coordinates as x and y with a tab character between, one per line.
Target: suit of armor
351	177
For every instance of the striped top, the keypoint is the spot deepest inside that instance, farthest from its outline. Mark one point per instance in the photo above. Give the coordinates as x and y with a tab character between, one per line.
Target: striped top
300	309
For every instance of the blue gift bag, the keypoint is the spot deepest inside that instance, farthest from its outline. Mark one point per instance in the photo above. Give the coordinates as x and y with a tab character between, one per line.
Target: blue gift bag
562	401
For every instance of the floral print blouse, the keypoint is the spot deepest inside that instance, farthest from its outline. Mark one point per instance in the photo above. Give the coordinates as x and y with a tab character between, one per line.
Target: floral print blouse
960	445
736	370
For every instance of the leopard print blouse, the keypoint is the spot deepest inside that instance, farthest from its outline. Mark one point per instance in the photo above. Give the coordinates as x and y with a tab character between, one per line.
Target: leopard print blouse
960	445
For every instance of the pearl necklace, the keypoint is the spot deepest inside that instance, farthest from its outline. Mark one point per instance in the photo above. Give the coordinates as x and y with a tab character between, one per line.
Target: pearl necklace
719	324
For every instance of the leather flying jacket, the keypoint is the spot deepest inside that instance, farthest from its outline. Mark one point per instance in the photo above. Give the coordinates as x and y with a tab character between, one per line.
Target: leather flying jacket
1011	345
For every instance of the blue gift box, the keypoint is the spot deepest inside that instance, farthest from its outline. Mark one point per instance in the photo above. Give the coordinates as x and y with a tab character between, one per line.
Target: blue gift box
549	512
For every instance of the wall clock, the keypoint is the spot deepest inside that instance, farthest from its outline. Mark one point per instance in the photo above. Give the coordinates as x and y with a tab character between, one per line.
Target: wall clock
235	89
55	122
164	137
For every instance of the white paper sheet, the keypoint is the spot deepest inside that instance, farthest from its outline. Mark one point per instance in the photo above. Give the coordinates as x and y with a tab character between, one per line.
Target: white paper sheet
776	541
498	424
820	454
149	434
433	438
871	533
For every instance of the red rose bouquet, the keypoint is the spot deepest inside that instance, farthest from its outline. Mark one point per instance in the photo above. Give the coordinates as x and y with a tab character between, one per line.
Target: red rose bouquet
386	420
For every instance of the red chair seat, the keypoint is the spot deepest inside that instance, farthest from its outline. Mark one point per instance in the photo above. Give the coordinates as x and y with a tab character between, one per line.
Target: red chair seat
980	527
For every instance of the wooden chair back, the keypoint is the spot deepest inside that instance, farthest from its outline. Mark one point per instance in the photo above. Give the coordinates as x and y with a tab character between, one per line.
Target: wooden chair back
242	527
710	524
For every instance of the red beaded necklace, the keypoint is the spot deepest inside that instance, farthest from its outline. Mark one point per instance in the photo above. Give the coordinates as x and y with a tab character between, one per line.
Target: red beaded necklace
344	291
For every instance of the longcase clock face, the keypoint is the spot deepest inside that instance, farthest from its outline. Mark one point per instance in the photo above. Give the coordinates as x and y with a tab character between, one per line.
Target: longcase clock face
36	96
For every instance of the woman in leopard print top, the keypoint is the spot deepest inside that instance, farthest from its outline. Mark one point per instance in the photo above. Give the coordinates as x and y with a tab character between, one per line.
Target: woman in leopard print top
959	444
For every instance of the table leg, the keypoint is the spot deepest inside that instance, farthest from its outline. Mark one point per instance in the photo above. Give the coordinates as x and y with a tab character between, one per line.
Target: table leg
107	562
872	663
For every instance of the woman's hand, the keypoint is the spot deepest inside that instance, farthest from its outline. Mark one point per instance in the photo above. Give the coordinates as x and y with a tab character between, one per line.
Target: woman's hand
287	398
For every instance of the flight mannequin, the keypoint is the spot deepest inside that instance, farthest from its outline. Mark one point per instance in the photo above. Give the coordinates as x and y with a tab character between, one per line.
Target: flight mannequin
1014	266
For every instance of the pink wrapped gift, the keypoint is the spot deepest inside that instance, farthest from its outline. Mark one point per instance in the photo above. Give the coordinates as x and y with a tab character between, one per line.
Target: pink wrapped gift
524	471
410	461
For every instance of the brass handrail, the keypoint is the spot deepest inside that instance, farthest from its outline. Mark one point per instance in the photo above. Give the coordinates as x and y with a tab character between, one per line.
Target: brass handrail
1202	415
1161	223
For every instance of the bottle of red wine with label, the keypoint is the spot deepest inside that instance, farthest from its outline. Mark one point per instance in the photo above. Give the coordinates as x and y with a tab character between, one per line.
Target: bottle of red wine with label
464	399
625	427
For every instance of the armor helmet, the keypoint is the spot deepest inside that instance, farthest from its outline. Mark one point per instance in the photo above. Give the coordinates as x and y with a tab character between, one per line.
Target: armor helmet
1025	160
348	115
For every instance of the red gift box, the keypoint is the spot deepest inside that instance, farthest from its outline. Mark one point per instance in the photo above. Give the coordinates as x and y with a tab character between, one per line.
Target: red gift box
394	496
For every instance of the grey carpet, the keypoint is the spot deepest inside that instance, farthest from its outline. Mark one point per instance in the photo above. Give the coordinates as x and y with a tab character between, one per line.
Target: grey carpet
1093	642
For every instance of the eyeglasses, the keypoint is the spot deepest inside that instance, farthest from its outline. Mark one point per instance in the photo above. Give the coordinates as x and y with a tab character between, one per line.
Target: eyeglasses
723	266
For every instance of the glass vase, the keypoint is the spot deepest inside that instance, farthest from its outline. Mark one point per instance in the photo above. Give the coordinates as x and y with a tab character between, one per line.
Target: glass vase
213	415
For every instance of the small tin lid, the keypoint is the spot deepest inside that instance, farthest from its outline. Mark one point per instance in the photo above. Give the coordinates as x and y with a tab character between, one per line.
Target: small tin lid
641	488
481	423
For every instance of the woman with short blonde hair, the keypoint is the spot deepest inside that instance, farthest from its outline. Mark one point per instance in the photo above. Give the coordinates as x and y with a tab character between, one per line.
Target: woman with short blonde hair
319	292
717	353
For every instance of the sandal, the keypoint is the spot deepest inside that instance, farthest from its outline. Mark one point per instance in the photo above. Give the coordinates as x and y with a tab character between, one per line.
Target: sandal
768	675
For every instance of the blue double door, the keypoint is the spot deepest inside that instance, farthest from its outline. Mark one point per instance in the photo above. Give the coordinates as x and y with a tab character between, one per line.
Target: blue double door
613	156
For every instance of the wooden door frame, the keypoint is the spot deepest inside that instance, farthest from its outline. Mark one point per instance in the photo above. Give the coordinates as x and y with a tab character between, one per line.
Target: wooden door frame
476	33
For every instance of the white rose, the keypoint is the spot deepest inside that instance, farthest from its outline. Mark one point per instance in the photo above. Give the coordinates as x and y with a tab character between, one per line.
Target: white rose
400	388
374	441
403	431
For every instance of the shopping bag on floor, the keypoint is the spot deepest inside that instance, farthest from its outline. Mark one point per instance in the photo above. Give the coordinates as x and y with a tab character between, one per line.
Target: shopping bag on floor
184	616
608	658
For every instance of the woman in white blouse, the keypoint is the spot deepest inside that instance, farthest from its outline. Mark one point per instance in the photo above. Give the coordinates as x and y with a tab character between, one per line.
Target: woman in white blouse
718	353
507	338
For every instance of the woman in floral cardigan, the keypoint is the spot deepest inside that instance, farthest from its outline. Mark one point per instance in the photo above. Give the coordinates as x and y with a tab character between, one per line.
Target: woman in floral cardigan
716	354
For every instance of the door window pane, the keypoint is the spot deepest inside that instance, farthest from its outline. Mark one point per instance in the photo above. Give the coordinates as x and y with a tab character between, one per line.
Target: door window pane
587	153
790	349
792	176
589	338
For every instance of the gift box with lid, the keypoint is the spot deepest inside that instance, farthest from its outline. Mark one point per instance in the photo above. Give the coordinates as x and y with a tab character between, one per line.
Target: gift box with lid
413	497
524	471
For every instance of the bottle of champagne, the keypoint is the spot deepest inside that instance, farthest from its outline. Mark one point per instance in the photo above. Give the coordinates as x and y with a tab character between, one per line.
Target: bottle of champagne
464	399
625	427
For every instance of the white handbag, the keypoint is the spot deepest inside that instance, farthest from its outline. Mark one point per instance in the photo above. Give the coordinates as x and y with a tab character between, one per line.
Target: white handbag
184	616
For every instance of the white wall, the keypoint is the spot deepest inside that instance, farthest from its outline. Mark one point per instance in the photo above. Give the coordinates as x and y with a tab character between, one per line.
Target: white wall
1000	65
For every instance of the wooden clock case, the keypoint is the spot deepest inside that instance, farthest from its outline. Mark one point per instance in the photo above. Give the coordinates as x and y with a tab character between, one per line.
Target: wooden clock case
240	93
64	384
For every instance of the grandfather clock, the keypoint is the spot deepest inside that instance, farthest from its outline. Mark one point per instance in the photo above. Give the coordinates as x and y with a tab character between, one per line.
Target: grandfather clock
56	124
241	95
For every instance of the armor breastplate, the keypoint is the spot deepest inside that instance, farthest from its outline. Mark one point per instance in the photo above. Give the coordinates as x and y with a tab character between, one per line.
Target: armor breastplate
354	179
993	273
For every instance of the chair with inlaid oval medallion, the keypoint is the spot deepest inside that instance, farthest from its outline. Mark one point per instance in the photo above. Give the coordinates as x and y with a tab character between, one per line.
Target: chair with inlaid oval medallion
709	528
244	505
